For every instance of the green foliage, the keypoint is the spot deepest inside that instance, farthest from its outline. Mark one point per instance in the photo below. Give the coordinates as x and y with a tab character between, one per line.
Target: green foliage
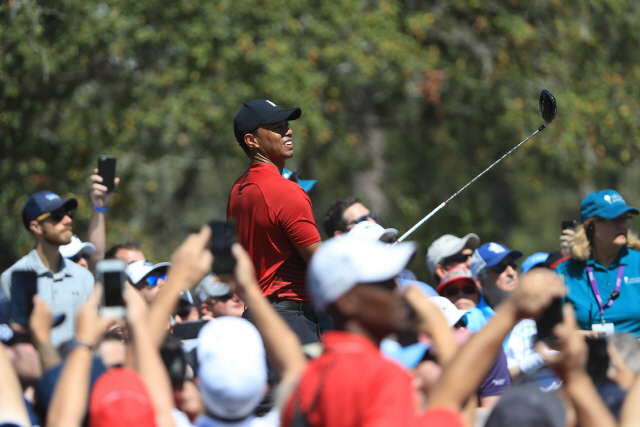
451	86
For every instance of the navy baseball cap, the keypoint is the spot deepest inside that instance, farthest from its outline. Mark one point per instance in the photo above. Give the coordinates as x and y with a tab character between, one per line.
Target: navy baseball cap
43	202
607	204
259	112
490	254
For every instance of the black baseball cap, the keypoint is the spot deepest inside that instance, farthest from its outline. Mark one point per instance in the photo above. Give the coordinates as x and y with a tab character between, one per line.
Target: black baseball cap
259	112
43	202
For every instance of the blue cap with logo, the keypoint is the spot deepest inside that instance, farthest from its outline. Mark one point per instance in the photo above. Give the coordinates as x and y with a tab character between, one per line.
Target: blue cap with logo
490	254
258	112
536	260
43	202
607	204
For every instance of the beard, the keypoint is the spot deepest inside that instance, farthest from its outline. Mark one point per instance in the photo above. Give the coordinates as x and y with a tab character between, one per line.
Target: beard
57	238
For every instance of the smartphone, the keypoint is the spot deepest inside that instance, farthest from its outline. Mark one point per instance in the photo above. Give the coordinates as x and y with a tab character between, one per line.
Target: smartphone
570	224
223	235
107	170
548	320
24	285
188	330
598	360
110	272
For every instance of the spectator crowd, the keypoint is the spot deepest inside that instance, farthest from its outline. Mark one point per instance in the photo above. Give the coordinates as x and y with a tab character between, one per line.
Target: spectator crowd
304	332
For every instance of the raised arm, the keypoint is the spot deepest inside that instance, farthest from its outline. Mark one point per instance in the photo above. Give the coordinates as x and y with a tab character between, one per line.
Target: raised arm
148	361
570	365
189	264
40	324
12	407
281	343
96	233
464	374
71	394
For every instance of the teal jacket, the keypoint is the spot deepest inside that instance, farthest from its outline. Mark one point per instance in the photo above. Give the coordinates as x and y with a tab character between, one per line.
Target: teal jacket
625	311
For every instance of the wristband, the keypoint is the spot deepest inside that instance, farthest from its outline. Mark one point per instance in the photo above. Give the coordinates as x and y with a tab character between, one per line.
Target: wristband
79	343
97	209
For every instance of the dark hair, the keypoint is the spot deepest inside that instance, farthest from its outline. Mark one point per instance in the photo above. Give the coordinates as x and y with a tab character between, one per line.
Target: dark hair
111	253
333	220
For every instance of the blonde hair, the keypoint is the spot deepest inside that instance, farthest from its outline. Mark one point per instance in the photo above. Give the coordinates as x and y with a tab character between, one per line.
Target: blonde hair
580	246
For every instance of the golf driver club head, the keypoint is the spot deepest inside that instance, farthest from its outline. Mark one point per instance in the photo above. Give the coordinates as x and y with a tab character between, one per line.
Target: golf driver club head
548	107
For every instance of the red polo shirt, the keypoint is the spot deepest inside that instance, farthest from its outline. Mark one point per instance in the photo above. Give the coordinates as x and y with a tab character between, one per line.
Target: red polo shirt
274	217
352	385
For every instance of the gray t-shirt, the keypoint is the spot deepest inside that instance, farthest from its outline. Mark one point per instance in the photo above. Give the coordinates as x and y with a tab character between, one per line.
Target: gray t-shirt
64	291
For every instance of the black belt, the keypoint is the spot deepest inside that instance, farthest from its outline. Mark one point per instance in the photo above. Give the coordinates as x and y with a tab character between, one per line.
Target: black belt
292	305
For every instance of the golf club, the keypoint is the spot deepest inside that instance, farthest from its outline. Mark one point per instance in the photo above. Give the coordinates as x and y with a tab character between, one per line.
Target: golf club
548	110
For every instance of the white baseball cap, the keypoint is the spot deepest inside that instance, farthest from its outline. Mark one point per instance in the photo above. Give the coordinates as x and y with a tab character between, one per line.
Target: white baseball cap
339	264
448	245
75	247
452	313
232	367
139	270
372	232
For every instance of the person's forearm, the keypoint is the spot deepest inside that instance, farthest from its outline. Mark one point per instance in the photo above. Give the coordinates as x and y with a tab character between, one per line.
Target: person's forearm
151	368
630	411
590	409
163	306
12	405
97	236
74	381
464	373
49	356
281	343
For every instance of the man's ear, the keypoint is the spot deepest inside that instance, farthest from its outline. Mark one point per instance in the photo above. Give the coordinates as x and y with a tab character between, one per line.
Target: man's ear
479	283
440	271
35	227
204	309
347	304
251	140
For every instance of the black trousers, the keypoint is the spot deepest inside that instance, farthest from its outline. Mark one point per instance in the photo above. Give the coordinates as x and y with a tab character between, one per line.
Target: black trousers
302	319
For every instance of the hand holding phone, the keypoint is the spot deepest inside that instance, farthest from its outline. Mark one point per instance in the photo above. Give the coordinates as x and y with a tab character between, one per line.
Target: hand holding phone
107	170
548	320
223	236
110	272
24	286
188	330
569	225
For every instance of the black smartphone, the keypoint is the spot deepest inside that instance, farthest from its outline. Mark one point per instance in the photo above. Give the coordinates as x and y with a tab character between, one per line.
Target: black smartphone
548	320
110	272
188	330
598	360
570	224
107	170
223	235
24	285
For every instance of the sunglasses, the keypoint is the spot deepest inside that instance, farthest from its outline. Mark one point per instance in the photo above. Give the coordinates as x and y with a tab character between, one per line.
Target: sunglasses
499	268
77	257
456	259
371	215
454	291
153	280
57	216
224	298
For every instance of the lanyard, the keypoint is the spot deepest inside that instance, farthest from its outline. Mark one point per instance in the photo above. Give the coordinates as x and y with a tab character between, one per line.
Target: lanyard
594	287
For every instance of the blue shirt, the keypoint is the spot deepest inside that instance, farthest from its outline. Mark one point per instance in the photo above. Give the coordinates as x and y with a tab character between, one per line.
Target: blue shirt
488	313
625	311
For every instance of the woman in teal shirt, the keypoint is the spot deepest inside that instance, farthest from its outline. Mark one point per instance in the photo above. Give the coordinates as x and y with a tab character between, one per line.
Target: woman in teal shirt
603	274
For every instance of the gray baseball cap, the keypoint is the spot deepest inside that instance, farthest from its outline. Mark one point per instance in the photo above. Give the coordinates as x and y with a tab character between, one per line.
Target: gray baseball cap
448	245
211	287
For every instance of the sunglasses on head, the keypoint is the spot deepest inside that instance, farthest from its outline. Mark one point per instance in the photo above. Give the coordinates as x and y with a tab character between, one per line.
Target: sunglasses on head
57	216
499	268
371	215
153	280
453	291
77	257
457	258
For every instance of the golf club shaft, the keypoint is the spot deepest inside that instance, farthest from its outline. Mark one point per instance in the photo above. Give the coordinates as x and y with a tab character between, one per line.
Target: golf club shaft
422	221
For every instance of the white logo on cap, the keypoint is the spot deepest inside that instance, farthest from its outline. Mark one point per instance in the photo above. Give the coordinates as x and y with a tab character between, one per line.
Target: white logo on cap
51	197
271	103
495	248
607	199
